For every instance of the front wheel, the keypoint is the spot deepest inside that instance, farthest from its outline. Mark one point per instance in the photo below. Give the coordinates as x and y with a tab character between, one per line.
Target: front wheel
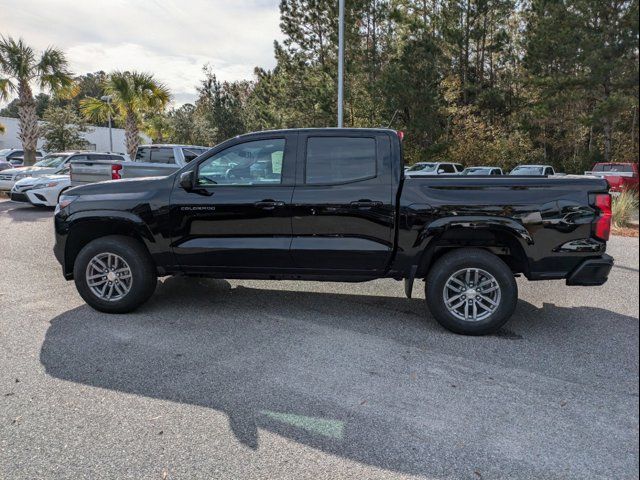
114	274
471	291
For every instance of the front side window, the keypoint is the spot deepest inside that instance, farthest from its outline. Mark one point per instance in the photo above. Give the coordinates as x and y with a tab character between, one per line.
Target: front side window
340	159
192	153
446	168
251	163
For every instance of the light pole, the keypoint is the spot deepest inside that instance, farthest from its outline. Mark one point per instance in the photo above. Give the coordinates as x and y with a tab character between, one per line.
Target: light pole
107	98
340	60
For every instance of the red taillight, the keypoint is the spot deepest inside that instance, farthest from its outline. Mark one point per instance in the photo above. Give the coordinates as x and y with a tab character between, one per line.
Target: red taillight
400	134
603	222
115	172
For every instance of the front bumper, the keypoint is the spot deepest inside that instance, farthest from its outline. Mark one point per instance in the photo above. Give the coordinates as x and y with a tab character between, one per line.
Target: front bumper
18	197
591	272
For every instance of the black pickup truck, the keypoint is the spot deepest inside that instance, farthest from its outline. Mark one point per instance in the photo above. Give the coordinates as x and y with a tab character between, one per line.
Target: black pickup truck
334	205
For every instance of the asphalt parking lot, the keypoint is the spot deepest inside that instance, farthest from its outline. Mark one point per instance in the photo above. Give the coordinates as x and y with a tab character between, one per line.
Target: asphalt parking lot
243	379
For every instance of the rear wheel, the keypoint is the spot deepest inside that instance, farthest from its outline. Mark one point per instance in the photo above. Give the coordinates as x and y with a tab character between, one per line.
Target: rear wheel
471	291
114	274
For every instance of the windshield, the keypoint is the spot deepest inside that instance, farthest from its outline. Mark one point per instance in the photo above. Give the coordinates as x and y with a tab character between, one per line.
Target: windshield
423	167
51	161
527	171
476	171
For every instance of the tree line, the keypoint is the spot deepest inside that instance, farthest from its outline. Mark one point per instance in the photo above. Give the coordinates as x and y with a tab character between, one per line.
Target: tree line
495	82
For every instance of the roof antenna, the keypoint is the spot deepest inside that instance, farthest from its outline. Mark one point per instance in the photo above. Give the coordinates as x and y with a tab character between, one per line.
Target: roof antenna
393	118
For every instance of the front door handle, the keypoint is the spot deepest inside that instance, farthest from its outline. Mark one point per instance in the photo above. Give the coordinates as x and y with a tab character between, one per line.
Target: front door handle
366	204
268	204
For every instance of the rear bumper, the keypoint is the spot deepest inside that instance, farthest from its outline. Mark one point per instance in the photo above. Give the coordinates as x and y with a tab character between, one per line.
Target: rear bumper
591	272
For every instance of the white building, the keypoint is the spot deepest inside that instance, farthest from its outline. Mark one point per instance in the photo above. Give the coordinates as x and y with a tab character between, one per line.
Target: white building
98	137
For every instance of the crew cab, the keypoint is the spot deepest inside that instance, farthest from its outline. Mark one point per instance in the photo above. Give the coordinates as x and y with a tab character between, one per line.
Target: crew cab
157	160
620	176
334	205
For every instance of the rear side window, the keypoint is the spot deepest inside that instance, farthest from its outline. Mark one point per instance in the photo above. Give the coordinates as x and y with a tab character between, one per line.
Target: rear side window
155	155
340	159
447	168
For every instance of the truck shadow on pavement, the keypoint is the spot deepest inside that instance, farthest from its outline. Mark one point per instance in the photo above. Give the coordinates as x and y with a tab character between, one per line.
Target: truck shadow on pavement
369	378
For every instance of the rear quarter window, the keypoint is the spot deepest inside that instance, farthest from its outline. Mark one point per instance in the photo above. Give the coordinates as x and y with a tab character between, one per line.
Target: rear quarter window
155	155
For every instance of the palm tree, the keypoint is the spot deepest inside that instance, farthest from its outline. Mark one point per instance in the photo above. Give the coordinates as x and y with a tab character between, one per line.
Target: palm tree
132	95
20	67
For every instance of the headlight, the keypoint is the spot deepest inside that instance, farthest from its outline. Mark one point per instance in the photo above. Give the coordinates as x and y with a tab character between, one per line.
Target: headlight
65	200
45	185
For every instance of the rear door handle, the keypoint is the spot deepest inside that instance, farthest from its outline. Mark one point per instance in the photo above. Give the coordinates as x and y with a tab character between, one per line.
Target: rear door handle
268	204
366	204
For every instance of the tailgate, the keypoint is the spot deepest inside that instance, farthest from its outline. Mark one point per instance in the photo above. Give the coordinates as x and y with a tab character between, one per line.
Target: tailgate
147	169
90	171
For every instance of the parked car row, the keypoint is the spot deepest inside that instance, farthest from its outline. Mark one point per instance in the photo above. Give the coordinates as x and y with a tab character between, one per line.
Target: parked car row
150	161
422	169
42	183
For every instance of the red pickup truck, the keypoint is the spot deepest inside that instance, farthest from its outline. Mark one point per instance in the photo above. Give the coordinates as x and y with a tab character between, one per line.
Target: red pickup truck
621	176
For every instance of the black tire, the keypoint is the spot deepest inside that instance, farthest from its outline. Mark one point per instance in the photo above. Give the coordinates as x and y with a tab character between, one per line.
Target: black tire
143	273
464	258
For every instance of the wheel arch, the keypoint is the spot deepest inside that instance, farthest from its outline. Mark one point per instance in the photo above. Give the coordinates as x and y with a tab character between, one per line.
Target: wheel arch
502	240
85	230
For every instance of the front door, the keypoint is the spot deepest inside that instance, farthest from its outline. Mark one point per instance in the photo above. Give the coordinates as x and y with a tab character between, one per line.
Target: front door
238	217
343	203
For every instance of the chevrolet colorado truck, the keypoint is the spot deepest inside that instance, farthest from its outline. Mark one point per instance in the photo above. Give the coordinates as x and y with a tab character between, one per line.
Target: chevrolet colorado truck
334	205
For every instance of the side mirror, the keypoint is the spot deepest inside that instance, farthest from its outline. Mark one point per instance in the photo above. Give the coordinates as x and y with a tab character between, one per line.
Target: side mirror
187	180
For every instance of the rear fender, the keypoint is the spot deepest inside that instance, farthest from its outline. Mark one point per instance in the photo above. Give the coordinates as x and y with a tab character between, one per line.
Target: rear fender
456	232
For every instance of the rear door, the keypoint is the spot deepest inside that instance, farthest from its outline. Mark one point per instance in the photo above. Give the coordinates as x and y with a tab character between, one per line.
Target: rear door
239	217
343	203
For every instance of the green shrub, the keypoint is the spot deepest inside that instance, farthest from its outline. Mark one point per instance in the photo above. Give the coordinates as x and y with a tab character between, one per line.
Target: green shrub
624	208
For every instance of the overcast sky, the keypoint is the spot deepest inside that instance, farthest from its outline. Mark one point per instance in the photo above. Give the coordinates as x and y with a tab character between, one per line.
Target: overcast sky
171	39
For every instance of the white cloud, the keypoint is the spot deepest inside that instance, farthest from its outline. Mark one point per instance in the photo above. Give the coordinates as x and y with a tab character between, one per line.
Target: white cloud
171	39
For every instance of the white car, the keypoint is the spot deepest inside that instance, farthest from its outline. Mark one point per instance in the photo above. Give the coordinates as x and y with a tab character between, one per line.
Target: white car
41	191
424	169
